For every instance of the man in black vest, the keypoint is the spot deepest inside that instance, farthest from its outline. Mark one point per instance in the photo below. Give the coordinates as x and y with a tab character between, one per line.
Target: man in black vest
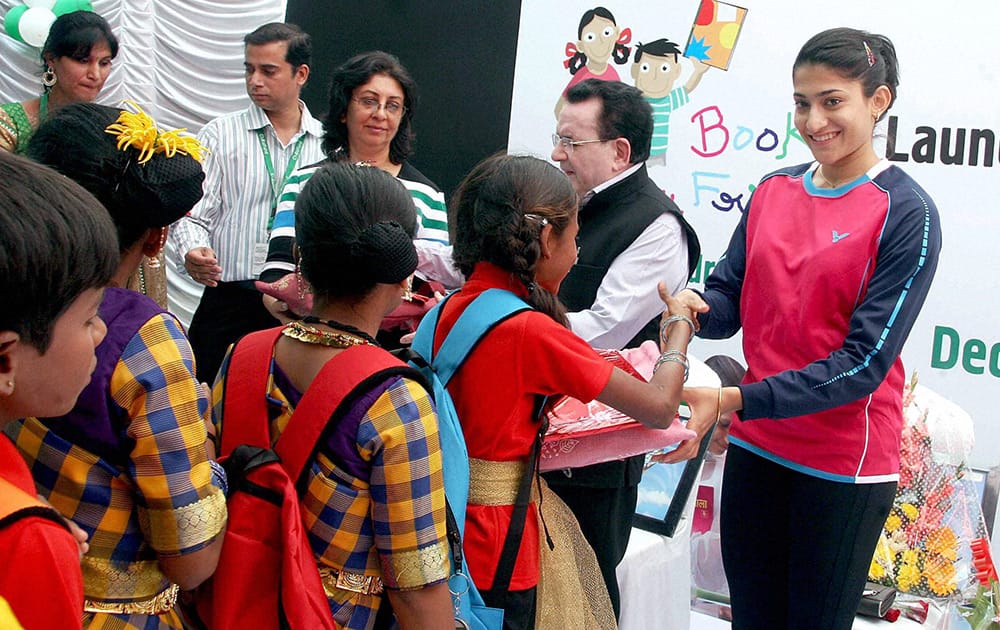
632	236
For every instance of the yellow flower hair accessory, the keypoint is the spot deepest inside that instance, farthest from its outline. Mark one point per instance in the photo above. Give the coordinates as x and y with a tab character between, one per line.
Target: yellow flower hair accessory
138	129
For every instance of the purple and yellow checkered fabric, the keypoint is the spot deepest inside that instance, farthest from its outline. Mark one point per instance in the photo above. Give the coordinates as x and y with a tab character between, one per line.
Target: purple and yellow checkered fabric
386	520
159	498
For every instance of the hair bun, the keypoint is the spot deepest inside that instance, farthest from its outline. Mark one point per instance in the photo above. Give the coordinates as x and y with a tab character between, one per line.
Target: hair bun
387	251
167	187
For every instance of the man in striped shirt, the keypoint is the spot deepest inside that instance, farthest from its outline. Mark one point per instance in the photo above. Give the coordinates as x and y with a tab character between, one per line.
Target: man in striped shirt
251	154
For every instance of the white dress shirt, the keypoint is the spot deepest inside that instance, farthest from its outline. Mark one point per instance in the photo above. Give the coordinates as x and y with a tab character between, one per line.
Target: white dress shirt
627	298
232	216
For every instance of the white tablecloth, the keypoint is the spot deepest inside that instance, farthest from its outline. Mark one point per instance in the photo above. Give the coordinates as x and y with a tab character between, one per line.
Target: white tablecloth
655	579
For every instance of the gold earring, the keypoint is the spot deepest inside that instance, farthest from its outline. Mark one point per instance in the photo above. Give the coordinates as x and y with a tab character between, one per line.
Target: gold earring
301	285
49	77
154	261
10	384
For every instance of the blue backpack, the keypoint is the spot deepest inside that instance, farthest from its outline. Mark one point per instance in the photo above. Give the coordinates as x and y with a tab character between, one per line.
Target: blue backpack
485	312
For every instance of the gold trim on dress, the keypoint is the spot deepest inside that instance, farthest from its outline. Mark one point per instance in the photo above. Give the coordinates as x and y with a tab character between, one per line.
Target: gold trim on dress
197	522
416	568
139	580
346	581
495	483
156	605
568	572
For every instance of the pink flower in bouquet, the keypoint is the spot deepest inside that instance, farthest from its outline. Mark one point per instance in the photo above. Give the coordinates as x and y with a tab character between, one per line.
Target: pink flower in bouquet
915	449
929	520
941	496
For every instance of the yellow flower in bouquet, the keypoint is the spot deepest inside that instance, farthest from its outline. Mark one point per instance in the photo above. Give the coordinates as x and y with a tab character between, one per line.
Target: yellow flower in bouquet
882	562
893	523
910	511
942	542
940	574
908	577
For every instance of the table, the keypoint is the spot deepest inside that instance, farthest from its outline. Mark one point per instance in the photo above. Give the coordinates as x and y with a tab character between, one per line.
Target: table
655	579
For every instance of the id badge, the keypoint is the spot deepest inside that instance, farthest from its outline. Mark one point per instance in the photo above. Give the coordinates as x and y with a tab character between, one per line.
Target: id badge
259	258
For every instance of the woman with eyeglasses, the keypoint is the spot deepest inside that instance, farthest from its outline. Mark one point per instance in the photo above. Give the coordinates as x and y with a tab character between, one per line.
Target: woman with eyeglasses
371	108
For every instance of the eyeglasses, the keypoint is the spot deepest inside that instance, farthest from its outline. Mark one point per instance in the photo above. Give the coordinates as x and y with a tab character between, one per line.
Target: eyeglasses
567	143
372	105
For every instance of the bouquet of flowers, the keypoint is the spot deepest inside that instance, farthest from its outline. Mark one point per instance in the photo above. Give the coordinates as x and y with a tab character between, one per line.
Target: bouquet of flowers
925	548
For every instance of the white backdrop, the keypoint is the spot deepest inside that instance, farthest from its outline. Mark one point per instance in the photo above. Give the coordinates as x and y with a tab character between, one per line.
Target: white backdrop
948	83
182	61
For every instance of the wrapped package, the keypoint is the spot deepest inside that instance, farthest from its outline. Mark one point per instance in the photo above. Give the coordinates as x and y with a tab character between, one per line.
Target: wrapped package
581	433
926	546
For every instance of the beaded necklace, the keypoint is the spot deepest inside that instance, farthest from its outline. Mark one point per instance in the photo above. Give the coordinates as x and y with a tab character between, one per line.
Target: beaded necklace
344	337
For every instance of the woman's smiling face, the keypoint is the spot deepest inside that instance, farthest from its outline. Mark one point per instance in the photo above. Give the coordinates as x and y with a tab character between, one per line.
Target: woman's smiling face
375	129
834	117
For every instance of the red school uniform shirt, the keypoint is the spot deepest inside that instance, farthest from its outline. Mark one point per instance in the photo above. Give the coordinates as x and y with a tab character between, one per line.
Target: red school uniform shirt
494	394
39	560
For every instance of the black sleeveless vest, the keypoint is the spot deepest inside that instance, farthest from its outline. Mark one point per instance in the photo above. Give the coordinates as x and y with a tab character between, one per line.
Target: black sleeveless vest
609	223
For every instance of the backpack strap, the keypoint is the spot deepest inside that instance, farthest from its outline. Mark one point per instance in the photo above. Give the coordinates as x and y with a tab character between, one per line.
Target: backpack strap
489	309
512	541
16	504
339	382
243	402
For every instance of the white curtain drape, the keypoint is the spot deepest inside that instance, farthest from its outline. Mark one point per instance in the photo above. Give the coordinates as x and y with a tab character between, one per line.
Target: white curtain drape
180	60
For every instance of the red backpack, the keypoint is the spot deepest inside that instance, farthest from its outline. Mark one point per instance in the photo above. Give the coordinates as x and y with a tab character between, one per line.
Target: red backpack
267	577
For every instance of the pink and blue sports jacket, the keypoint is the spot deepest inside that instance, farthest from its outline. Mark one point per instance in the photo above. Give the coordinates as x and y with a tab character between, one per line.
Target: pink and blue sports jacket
826	284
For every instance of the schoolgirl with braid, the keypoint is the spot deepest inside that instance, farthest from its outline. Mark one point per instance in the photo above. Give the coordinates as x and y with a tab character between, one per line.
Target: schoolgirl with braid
516	225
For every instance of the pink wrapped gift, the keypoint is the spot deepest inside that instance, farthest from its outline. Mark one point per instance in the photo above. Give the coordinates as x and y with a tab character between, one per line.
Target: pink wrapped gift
581	434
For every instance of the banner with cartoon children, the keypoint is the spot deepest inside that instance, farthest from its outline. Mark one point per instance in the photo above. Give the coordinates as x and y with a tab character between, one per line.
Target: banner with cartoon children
718	76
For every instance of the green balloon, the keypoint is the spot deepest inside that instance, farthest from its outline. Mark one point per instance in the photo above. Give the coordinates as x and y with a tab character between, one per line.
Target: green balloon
62	7
11	20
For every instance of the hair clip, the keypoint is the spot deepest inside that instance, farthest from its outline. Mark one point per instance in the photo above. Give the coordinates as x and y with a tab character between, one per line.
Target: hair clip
542	221
138	129
871	57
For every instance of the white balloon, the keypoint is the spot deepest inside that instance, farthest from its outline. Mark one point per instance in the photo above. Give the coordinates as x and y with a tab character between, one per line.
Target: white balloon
34	25
45	4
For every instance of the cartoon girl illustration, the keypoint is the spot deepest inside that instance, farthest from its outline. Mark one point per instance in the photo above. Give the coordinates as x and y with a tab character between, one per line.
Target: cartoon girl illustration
599	41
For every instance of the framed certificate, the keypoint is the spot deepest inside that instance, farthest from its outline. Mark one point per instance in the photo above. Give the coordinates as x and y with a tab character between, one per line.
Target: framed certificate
665	490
